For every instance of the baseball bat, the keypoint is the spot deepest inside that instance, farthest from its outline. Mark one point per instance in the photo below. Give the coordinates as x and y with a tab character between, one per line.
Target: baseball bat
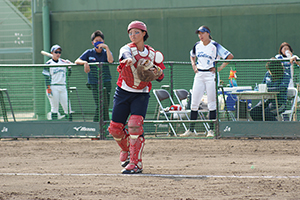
50	56
46	54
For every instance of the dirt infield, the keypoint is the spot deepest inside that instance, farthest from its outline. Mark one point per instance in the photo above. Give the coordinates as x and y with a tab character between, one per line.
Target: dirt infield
179	169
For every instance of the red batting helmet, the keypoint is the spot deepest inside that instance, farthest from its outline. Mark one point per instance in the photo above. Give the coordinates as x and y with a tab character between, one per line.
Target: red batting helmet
138	25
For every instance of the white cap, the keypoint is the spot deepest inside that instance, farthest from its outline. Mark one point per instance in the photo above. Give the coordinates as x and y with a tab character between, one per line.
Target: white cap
55	47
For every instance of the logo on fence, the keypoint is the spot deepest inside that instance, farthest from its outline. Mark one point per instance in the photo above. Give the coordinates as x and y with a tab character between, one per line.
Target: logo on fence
82	128
227	128
4	129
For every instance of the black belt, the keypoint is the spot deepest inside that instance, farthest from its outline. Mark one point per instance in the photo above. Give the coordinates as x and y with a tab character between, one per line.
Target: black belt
203	70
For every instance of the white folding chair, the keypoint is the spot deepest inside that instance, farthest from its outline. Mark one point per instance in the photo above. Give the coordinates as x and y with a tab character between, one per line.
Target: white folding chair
161	95
292	95
182	94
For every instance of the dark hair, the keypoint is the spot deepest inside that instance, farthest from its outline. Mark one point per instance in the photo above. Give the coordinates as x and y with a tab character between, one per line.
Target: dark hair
276	69
207	29
145	36
285	44
96	34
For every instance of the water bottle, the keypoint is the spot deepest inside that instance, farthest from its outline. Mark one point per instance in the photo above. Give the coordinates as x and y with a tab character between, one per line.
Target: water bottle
287	53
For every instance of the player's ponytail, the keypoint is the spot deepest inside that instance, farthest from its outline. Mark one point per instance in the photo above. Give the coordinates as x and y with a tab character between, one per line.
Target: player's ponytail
210	37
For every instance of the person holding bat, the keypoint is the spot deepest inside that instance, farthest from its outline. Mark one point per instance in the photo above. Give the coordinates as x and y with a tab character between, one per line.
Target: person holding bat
277	80
55	79
100	53
139	65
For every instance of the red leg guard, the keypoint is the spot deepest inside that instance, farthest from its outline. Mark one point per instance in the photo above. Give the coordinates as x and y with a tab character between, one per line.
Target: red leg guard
135	125
121	137
136	150
135	129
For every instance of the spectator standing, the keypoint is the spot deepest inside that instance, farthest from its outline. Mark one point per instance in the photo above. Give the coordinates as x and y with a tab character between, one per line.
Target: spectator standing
100	53
207	51
286	52
55	79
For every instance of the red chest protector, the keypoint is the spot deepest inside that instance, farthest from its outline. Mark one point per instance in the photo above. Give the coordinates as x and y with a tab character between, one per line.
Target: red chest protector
129	73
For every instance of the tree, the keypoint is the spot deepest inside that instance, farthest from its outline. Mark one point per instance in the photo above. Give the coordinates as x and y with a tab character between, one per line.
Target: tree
24	6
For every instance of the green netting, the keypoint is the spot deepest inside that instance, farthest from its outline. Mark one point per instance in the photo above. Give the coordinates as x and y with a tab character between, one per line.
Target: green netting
26	90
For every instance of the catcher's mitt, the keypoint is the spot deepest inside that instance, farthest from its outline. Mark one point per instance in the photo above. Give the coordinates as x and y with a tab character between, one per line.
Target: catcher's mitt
147	71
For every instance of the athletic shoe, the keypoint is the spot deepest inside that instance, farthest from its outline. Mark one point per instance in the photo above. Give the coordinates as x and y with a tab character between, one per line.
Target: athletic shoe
135	170
125	163
187	133
210	133
124	158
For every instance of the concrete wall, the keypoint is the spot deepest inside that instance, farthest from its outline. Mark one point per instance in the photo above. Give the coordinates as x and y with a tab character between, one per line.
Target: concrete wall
248	30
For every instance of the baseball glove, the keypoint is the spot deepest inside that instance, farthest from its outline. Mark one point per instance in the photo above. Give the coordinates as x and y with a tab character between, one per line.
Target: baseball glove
147	71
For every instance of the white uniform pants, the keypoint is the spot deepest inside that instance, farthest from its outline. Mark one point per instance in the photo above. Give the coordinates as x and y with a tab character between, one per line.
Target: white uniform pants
204	81
59	96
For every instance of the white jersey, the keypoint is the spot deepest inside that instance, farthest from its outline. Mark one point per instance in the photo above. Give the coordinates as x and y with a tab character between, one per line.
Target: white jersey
207	55
125	52
57	75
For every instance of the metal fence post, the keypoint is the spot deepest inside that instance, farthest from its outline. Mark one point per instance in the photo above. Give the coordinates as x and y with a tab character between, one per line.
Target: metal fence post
101	102
171	78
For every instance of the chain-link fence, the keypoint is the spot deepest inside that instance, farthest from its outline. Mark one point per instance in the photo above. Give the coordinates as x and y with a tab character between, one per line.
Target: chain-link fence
24	97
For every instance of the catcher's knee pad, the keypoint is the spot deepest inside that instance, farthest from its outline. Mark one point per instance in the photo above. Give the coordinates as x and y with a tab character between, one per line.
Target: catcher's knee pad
135	126
119	134
116	130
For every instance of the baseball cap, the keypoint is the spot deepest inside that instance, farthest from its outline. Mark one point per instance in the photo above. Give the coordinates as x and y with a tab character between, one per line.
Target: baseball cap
55	47
202	29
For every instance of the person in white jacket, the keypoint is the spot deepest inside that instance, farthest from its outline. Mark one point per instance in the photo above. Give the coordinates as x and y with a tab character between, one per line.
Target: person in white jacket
55	78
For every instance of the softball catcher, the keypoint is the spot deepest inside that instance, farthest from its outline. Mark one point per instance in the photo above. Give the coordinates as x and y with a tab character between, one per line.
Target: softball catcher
139	65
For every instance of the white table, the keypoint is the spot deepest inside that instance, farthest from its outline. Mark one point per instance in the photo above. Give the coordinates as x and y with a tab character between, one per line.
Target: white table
256	95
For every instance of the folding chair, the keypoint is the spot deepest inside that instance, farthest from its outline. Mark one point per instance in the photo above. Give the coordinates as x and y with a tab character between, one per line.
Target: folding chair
182	94
161	95
292	95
